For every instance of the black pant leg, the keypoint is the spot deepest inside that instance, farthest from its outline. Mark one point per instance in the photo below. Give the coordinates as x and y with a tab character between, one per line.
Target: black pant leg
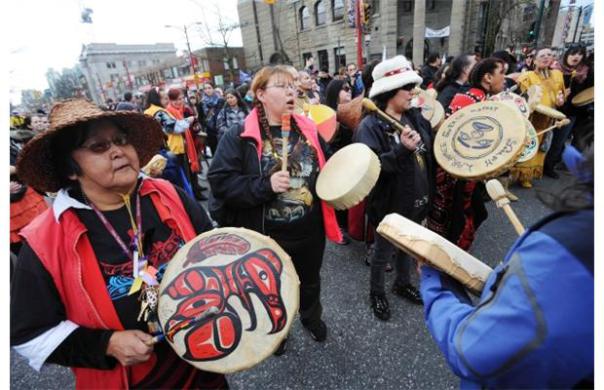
307	256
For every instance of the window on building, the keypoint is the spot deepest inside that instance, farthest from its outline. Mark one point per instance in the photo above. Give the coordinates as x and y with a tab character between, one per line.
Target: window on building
142	63
339	55
111	65
407	5
305	57
304	18
320	15
156	62
430	5
375	7
323	59
337	9
482	15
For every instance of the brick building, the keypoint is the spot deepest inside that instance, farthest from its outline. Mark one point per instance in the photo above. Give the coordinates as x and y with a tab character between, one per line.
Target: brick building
210	64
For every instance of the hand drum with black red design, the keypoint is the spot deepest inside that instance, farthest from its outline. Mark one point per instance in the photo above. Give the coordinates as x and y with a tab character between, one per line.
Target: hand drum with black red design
228	299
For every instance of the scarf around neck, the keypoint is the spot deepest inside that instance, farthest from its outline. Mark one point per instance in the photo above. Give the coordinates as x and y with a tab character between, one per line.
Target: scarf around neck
580	71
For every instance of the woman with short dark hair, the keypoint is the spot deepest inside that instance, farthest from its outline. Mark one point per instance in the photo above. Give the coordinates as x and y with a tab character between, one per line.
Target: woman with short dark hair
405	184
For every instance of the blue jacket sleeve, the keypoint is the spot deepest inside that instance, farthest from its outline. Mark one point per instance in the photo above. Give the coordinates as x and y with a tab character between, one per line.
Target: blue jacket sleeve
505	336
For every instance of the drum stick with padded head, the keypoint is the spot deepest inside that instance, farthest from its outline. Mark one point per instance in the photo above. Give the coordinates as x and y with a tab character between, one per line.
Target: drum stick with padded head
497	193
559	124
285	128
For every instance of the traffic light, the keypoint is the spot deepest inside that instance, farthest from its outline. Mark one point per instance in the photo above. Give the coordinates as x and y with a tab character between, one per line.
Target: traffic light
366	13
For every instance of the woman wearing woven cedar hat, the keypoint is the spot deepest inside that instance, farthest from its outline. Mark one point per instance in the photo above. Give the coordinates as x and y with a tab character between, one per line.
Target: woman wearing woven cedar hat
251	190
405	185
106	241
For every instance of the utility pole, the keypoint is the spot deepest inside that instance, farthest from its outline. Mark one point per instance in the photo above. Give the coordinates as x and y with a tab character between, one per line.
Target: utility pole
259	40
191	60
538	24
125	63
191	57
359	4
577	24
102	89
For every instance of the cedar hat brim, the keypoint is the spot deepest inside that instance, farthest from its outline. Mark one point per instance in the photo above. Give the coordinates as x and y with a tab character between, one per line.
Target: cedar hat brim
35	165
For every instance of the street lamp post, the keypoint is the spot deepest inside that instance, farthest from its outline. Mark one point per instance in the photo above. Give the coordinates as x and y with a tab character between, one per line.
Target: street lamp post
191	62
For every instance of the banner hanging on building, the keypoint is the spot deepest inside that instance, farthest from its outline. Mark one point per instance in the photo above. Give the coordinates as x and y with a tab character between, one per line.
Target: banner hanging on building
443	32
351	12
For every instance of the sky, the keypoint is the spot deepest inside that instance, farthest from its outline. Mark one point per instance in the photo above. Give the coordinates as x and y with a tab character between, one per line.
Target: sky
49	34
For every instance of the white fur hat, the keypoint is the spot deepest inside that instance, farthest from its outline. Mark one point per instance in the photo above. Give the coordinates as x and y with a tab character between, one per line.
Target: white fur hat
391	74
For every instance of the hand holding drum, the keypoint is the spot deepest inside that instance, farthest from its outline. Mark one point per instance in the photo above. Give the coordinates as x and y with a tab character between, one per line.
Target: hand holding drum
425	245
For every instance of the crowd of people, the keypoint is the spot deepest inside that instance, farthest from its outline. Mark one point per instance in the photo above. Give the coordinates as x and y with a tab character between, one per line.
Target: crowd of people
70	301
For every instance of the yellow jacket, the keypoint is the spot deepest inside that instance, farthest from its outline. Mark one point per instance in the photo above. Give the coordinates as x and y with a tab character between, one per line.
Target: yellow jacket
551	85
176	142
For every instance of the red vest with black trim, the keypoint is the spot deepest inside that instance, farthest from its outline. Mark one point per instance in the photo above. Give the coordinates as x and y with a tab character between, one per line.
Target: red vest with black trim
309	130
65	251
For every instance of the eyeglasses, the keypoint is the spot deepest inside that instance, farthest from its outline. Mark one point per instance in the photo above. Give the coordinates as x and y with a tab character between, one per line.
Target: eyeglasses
101	146
283	86
408	87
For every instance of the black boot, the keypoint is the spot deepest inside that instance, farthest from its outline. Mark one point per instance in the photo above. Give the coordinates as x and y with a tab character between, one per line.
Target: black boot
318	331
282	348
550	172
380	306
408	292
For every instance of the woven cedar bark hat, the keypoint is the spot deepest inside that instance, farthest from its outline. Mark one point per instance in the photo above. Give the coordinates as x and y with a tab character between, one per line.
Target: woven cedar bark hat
36	161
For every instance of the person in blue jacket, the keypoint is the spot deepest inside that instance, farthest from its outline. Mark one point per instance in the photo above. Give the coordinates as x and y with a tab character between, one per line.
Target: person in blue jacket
533	326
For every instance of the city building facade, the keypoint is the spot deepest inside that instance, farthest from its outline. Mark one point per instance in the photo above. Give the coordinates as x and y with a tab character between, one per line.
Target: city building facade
325	29
573	25
211	64
109	67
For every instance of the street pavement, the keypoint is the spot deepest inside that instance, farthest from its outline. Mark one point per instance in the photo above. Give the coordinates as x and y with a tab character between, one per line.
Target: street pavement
361	352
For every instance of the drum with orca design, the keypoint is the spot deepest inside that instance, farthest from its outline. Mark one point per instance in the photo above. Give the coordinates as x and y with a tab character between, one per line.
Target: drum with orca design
228	299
